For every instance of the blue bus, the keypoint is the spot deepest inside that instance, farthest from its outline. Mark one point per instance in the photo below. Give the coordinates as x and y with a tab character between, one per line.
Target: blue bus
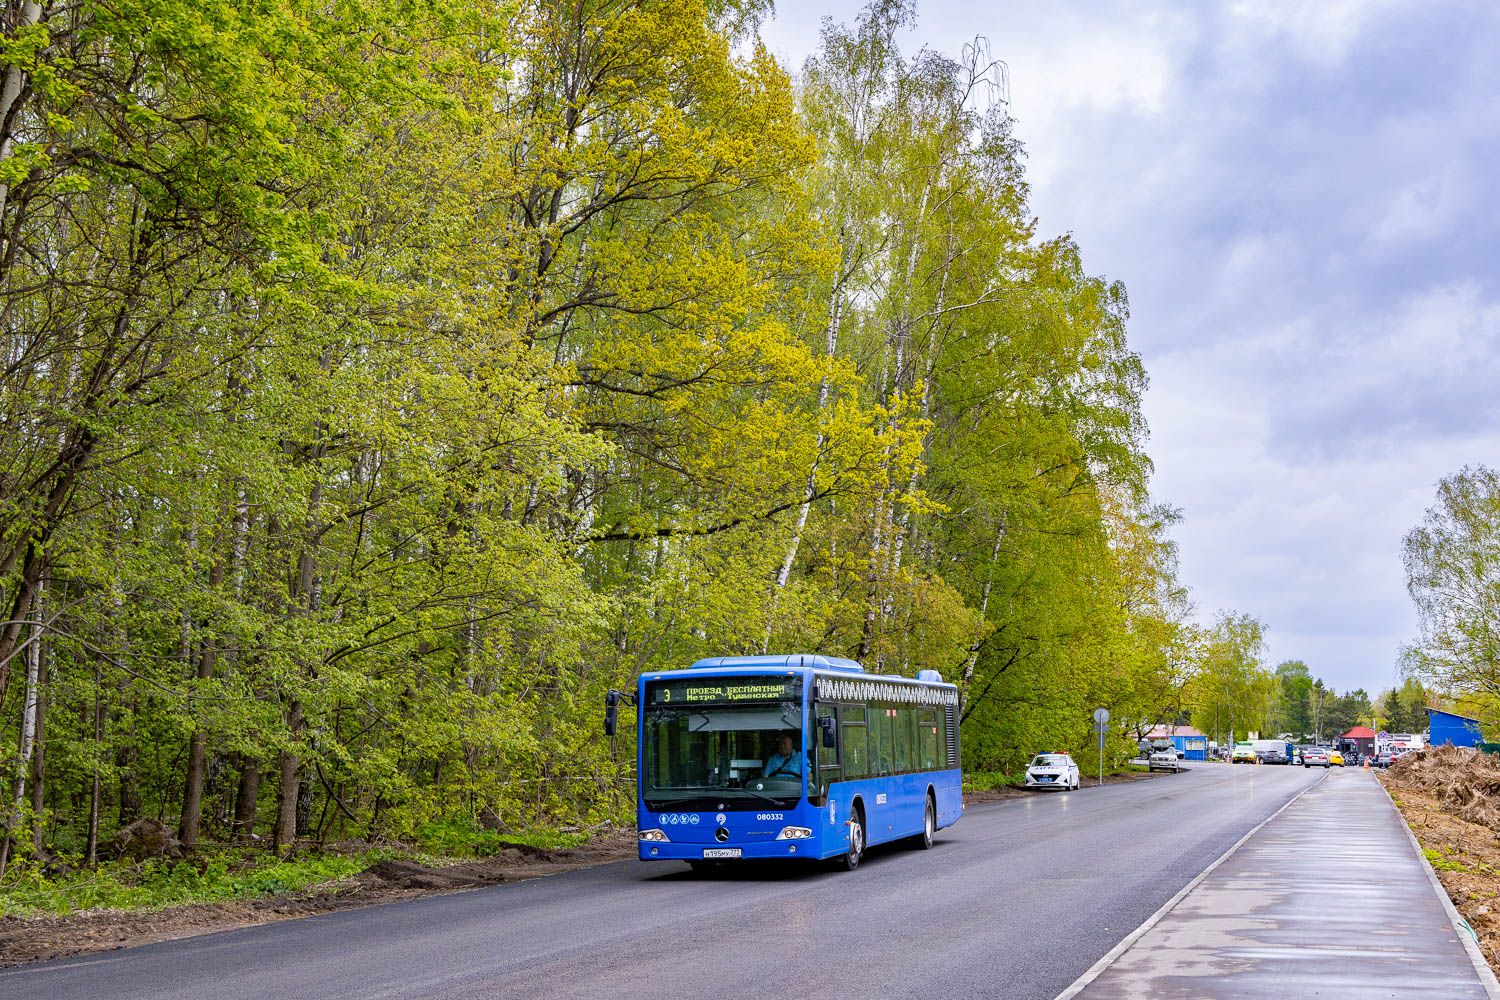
800	756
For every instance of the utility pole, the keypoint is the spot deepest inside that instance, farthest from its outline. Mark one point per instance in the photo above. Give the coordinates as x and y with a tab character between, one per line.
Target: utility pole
1231	712
1317	716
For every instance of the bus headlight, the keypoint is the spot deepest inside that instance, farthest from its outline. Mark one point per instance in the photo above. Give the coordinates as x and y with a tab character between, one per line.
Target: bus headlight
656	835
794	833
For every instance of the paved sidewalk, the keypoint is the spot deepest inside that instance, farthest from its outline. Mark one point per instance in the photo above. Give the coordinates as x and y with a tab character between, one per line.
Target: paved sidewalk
1329	899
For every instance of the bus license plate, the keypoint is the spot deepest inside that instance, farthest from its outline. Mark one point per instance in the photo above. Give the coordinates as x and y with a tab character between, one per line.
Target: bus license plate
721	852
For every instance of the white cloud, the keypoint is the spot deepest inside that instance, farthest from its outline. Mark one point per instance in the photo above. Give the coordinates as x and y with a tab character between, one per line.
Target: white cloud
1425	209
1297	196
1322	33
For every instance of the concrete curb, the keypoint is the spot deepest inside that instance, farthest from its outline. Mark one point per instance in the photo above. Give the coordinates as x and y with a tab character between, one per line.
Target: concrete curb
1094	971
1460	925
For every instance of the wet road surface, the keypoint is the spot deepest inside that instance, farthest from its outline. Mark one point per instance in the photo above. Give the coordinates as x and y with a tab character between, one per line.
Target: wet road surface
1328	899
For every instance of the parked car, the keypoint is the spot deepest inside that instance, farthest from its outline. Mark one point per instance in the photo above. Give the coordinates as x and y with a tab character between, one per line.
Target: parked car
1315	757
1243	753
1384	758
1164	760
1270	751
1335	757
1052	770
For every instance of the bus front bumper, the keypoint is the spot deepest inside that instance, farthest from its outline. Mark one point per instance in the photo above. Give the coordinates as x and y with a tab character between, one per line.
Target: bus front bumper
659	851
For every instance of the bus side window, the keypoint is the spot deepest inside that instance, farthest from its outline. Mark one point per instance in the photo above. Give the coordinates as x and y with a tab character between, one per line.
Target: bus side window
825	759
927	738
827	756
855	742
880	740
902	722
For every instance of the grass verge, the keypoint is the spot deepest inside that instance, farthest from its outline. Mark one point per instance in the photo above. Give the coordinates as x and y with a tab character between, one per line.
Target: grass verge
219	873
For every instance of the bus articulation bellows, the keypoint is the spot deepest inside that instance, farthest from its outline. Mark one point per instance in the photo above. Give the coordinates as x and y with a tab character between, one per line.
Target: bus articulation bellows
794	756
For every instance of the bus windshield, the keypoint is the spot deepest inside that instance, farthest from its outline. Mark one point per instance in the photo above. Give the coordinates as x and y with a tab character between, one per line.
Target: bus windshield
724	755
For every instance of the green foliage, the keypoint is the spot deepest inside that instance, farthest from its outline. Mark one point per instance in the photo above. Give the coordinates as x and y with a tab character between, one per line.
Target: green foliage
399	383
211	877
1453	576
1440	860
984	781
1234	693
1404	709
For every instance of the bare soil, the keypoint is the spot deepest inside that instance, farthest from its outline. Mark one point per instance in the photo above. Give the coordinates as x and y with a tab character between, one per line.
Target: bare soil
1450	798
1019	791
38	939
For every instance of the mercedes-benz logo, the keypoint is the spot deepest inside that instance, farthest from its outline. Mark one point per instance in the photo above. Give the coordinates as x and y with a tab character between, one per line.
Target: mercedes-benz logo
721	834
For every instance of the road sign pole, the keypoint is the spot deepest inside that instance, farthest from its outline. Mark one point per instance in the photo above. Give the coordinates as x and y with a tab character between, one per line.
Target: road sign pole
1101	755
1101	727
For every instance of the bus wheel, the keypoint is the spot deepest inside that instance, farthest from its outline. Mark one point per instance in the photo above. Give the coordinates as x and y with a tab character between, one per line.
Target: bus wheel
929	825
850	861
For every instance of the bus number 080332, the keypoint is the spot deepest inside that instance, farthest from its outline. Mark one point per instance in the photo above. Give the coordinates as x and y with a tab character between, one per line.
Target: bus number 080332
840	758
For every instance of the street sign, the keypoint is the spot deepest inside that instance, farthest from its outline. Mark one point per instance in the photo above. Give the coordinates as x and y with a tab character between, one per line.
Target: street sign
1101	715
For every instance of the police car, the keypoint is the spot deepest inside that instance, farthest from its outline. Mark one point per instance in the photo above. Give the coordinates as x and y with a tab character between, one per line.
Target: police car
1052	770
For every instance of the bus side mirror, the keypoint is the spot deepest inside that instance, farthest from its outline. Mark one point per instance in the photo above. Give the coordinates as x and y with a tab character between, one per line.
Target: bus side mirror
825	723
612	701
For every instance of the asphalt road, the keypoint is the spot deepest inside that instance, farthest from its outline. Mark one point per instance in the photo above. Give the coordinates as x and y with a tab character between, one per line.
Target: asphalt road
1015	901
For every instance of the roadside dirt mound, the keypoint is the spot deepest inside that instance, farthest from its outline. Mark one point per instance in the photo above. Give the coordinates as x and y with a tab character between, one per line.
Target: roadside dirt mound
406	874
1464	780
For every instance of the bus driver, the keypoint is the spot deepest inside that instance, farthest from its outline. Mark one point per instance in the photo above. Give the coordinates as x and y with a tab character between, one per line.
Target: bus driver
784	761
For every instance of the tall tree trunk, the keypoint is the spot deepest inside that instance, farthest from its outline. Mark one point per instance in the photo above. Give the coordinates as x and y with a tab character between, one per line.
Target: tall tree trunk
835	313
39	751
91	851
926	409
12	79
192	791
128	760
287	793
304	806
20	607
984	606
305	601
28	733
247	797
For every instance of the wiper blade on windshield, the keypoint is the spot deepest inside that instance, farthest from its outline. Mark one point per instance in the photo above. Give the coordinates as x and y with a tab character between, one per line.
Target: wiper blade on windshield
761	795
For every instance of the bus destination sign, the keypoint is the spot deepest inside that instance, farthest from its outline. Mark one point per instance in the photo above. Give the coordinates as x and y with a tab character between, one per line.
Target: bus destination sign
701	691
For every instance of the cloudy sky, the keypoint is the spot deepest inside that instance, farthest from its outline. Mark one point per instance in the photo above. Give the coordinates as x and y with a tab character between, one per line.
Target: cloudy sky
1303	200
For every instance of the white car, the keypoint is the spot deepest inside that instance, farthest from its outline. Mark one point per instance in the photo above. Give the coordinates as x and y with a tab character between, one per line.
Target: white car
1052	770
1164	760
